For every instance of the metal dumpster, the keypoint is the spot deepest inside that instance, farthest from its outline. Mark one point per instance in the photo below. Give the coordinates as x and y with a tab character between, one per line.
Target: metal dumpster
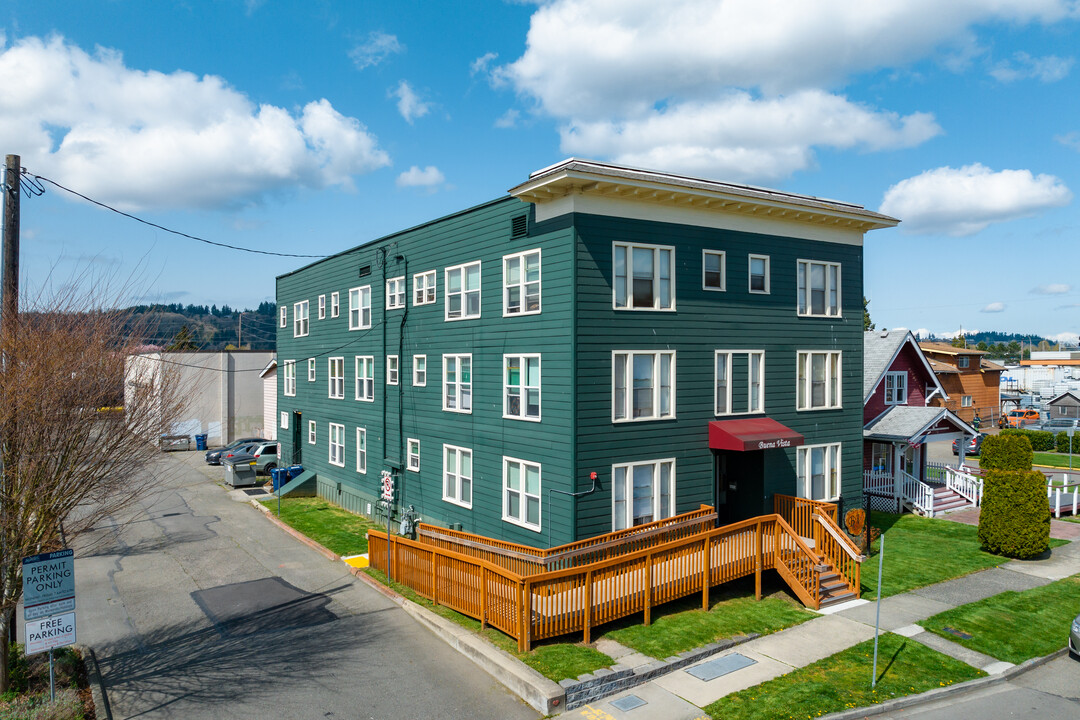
240	471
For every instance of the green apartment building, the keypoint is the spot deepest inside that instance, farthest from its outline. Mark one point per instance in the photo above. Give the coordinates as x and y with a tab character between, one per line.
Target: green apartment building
602	347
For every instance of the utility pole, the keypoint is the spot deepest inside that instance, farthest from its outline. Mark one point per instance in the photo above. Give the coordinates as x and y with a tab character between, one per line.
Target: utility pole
9	310
240	332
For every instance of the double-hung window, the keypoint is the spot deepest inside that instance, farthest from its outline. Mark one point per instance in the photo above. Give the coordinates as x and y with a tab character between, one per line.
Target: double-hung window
521	283
311	371
413	454
365	378
395	293
521	493
739	369
457	383
818	288
337	445
759	274
284	316
818	468
962	361
335	304
457	475
423	285
392	369
337	378
713	270
288	378
818	380
965	401
361	450
644	278
419	370
521	387
896	388
463	291
643	385
642	492
300	319
322	307
360	308
284	420
311	432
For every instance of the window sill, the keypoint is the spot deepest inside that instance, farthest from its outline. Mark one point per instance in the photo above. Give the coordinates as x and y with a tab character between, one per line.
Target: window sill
524	525
625	421
460	504
518	417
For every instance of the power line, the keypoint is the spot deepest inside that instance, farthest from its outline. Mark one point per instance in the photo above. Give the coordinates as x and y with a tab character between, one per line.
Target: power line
39	189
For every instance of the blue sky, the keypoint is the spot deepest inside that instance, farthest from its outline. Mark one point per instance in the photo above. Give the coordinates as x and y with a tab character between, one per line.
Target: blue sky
312	127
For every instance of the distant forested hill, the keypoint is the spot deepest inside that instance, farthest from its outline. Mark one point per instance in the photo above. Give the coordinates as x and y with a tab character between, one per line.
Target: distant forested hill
209	328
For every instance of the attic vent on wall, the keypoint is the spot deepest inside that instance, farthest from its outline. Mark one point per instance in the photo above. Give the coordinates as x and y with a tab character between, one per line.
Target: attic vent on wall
365	270
519	226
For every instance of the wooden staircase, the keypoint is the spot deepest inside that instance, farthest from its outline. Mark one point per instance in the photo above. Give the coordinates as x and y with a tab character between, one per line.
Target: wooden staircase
946	499
833	588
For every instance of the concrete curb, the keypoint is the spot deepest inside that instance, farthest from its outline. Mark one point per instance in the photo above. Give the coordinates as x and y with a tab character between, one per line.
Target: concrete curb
102	710
946	692
543	695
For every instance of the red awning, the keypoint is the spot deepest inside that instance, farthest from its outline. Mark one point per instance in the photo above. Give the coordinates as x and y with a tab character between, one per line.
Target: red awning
752	434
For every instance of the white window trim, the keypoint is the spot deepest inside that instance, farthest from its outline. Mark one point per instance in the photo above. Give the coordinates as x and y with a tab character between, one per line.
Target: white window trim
301	321
331	378
723	270
312	372
966	401
839	285
540	292
359	377
522	404
629	496
335	304
768	274
630	277
411	456
423	284
340	429
288	378
838	401
458	392
900	376
629	406
472	479
446	292
806	481
322	307
360	299
963	361
730	386
312	432
284	420
414	378
393	370
522	521
284	314
390	295
361	450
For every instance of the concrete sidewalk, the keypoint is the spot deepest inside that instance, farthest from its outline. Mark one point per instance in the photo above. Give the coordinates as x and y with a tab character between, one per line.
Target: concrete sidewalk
680	695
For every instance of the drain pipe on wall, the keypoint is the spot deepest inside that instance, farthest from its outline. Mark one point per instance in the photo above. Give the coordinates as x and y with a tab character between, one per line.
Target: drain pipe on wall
575	496
402	458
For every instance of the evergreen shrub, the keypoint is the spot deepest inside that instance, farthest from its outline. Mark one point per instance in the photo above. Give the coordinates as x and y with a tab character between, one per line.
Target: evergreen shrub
1015	516
1041	440
1011	450
1063	442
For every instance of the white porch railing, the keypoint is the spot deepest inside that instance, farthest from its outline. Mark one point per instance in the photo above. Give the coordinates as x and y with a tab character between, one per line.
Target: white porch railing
936	471
879	482
917	492
965	484
1063	496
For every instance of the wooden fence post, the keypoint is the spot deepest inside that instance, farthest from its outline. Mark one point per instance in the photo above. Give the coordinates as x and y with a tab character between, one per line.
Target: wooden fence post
706	574
434	577
526	605
521	617
648	589
757	563
588	607
483	597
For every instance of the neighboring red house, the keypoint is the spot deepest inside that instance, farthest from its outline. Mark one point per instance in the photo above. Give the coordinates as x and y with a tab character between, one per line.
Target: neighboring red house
899	387
972	383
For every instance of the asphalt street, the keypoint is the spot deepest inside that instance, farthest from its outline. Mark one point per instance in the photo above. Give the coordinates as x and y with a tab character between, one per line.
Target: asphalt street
197	607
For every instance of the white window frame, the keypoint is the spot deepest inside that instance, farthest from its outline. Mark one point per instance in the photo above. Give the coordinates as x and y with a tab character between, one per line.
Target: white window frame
730	392
335	385
300	319
284	314
424	287
627	408
750	275
963	361
833	303
335	304
395	293
364	382
723	270
412	454
895	388
312	372
463	294
459	385
966	401
322	307
522	388
457	476
627	302
393	370
361	450
834	373
312	432
284	420
627	491
522	284
288	378
419	370
521	518
833	480
359	304
337	445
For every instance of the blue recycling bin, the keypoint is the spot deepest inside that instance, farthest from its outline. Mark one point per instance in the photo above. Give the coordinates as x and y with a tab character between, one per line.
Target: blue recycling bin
279	477
200	442
295	470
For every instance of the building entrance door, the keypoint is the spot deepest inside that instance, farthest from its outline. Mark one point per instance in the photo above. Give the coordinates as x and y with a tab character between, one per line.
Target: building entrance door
740	484
296	447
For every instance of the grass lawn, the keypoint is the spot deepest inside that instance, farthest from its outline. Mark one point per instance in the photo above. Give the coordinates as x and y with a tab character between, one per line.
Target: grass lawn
1058	460
329	525
842	681
682	625
1014	626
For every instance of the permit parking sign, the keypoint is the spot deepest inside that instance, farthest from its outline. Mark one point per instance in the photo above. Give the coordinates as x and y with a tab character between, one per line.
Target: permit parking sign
48	584
50	633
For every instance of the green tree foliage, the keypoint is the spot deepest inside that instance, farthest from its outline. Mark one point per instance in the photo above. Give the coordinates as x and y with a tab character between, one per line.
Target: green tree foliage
867	324
982	346
959	341
1015	517
182	341
1011	450
1041	440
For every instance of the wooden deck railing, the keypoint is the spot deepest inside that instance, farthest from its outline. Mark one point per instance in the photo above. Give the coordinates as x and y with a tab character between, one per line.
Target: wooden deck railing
819	521
799	512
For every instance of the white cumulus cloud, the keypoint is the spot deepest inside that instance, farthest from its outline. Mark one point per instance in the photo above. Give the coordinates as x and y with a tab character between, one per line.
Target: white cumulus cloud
429	177
1050	68
963	201
1052	289
482	63
1070	140
375	49
994	307
145	139
409	103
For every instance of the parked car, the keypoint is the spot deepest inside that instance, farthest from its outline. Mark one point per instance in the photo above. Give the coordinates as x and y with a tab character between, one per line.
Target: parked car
1023	418
213	457
1074	638
1058	424
974	446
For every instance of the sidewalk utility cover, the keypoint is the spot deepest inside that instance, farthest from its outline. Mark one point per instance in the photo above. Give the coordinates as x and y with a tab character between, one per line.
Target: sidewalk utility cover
630	702
721	666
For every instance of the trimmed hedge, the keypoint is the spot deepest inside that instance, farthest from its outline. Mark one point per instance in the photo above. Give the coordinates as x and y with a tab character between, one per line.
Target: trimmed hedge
1015	517
1011	450
1041	440
1063	442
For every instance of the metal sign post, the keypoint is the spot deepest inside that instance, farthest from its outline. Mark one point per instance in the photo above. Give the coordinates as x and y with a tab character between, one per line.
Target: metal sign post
1070	432
877	620
388	497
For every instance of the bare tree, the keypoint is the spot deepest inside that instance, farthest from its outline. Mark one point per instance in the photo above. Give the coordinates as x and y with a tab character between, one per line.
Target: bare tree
74	449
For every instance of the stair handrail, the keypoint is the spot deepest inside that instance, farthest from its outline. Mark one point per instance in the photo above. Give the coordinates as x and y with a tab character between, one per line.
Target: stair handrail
843	540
